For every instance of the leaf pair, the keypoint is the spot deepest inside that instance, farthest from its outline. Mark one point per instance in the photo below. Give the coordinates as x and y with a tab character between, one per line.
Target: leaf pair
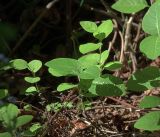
100	32
20	64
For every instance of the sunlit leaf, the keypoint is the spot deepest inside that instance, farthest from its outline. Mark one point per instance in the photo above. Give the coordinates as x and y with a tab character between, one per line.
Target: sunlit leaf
103	30
149	102
31	89
113	65
104	56
150	121
88	26
150	46
129	6
151	20
19	64
65	86
32	79
90	73
34	65
64	67
88	47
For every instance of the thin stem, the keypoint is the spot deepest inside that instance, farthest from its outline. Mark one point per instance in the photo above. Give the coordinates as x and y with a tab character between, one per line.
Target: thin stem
127	33
122	47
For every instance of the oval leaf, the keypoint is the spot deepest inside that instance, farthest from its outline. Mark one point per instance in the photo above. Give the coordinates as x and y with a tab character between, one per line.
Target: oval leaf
151	20
90	73
65	86
89	60
32	79
22	120
88	47
54	73
113	65
104	56
64	67
31	89
129	6
149	102
150	121
104	29
88	26
150	46
34	65
18	64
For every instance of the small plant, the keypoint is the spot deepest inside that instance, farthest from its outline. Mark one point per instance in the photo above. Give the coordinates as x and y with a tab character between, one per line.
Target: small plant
33	66
89	69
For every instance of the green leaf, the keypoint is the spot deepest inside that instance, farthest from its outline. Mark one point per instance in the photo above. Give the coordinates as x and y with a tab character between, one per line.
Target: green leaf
129	6
104	56
3	93
31	89
150	121
113	65
149	102
22	120
103	90
89	60
90	73
151	20
150	46
64	67
88	88
5	134
32	131
32	79
88	47
103	30
108	85
19	64
8	113
145	79
34	65
65	86
35	127
54	72
88	26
